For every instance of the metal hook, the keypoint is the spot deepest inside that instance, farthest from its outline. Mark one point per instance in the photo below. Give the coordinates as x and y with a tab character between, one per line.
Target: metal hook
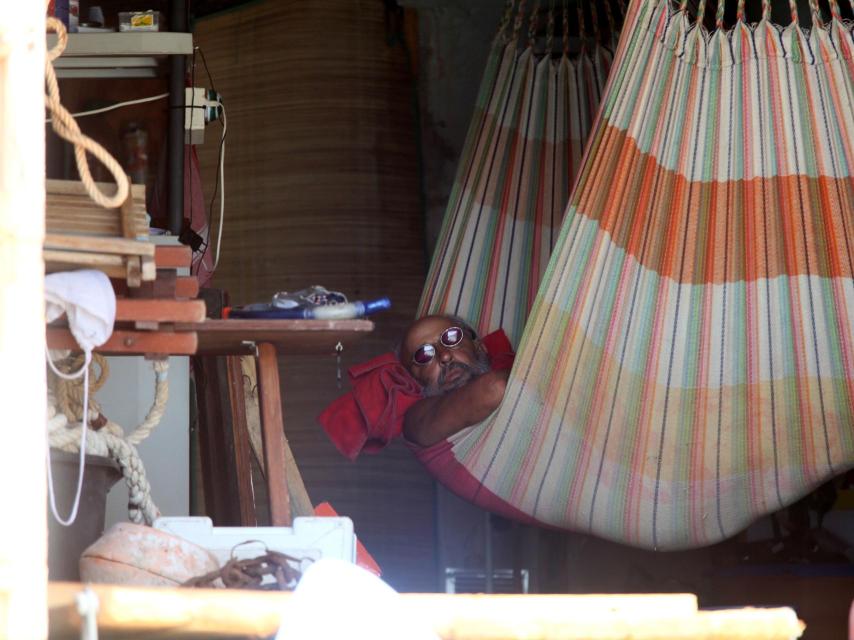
339	349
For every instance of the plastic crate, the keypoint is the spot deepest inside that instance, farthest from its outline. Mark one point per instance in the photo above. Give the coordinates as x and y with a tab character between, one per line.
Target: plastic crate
309	539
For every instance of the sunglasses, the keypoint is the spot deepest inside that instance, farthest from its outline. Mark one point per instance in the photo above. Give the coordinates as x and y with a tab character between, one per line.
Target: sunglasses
450	339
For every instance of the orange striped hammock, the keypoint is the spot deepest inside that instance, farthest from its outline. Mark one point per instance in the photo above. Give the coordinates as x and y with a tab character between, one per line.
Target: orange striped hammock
688	362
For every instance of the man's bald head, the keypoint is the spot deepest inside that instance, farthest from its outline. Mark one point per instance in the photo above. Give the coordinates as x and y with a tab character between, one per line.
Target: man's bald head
450	367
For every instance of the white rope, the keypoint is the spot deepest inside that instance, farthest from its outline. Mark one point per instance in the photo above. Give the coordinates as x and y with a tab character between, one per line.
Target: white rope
84	371
110	441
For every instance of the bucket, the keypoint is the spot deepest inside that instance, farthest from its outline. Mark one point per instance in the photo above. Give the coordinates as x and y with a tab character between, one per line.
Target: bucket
66	544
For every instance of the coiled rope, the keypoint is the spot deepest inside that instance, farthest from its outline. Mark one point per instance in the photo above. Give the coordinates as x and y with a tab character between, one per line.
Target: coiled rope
66	127
106	438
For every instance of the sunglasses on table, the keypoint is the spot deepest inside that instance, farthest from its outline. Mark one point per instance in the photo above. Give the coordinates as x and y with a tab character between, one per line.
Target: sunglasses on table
450	339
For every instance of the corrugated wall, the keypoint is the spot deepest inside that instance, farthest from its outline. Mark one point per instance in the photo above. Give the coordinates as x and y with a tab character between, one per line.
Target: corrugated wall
322	188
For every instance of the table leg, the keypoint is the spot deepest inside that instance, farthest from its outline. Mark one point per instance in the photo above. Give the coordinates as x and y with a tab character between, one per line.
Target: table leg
273	434
240	438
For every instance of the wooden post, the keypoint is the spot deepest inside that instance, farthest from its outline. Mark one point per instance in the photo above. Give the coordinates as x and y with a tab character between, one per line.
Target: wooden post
273	433
23	536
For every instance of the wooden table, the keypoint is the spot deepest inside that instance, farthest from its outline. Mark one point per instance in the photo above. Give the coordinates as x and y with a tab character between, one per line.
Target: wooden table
266	339
298	337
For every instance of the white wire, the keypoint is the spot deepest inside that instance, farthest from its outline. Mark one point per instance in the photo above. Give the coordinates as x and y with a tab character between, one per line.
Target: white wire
118	105
66	522
222	185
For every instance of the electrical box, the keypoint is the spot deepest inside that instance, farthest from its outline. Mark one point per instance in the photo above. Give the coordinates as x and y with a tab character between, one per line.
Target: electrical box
195	106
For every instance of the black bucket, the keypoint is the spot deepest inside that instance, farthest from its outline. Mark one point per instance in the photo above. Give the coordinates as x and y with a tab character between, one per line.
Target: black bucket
65	544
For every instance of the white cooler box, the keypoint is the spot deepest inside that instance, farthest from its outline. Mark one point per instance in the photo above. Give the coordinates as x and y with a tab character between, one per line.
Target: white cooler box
309	539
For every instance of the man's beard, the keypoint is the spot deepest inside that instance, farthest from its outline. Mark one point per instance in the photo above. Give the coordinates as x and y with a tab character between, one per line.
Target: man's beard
468	373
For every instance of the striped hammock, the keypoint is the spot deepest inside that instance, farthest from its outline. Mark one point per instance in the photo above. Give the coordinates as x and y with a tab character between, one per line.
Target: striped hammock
688	363
523	151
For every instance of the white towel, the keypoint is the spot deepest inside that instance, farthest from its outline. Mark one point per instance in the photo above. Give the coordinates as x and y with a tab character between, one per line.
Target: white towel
88	299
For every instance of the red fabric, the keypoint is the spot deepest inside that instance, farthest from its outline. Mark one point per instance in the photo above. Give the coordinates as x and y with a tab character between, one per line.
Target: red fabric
440	463
499	349
370	416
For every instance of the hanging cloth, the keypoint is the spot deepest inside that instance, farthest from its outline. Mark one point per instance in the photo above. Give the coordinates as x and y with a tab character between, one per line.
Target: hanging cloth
688	363
524	147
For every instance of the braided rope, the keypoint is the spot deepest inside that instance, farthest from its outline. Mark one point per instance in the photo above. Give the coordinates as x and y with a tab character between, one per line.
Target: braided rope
109	440
719	14
66	127
815	12
161	397
565	27
519	21
65	437
69	393
533	23
506	19
550	28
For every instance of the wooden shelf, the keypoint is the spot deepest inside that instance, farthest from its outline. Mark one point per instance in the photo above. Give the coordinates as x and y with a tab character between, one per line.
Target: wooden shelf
229	337
131	343
118	54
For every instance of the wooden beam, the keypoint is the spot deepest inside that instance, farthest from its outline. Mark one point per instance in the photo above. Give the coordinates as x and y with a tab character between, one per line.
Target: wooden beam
159	310
300	501
121	246
171	257
240	438
314	337
23	536
124	342
273	434
221	613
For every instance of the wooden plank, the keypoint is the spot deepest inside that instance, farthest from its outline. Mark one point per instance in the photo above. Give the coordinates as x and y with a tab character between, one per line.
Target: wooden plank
121	246
240	438
171	257
187	287
273	433
126	213
159	310
126	342
133	271
68	209
167	284
216	446
76	188
84	258
149	268
300	501
219	613
289	336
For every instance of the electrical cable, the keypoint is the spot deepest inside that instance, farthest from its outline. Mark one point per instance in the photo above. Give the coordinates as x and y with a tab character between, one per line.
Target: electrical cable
118	105
222	184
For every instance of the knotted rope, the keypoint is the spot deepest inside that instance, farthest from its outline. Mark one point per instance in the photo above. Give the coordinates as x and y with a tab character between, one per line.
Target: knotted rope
67	128
107	438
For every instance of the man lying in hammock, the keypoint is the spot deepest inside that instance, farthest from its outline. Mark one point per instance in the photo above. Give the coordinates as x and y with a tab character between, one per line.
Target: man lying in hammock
458	381
442	379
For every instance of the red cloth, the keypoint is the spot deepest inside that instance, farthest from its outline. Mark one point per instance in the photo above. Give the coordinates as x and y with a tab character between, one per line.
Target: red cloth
499	349
370	416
